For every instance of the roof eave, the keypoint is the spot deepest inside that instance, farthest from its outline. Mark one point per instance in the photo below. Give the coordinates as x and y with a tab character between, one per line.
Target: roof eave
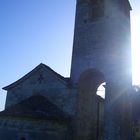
61	78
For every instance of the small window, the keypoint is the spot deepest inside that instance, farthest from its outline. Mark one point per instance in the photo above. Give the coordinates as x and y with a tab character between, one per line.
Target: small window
97	9
96	12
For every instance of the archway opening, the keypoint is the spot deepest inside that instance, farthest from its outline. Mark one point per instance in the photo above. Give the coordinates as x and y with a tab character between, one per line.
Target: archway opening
100	110
101	90
91	80
90	106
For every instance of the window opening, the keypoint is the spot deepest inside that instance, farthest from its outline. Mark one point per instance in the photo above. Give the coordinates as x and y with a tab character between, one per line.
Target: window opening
101	90
97	9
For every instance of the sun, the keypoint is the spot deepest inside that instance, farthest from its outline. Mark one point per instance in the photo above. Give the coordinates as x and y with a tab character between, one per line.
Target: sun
135	34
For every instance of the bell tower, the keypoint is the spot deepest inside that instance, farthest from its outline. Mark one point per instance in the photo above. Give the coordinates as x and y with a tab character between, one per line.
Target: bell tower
102	38
102	42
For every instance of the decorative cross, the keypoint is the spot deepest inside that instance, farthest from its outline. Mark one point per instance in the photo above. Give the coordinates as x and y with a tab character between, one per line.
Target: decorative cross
40	79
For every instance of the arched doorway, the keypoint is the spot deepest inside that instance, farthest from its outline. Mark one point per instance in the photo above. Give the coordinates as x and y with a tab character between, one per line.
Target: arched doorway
90	105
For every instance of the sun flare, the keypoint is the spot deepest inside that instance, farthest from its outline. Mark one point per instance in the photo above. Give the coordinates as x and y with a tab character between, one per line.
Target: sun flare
135	31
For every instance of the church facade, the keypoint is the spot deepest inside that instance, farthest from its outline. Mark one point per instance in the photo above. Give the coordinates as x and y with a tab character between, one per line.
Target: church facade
45	105
42	105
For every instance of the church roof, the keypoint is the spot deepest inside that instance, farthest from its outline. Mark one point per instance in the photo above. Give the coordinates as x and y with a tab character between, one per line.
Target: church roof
40	66
37	107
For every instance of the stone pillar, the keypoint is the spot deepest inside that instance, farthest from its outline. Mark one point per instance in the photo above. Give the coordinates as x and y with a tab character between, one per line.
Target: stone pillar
117	113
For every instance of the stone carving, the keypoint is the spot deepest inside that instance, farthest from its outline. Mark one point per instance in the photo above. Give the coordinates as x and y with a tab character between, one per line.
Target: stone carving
40	79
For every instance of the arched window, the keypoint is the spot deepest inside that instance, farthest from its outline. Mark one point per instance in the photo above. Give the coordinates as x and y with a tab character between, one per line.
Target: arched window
97	9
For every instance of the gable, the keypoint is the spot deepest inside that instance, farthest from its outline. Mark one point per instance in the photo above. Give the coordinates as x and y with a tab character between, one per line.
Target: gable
41	75
41	80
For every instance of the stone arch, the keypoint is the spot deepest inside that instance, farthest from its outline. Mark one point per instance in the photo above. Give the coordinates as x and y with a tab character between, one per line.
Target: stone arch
88	105
91	79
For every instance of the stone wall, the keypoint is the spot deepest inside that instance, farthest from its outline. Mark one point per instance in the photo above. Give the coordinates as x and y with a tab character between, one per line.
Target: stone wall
43	82
15	128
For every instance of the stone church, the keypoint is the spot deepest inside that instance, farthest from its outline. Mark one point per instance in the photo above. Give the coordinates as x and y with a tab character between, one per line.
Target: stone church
43	105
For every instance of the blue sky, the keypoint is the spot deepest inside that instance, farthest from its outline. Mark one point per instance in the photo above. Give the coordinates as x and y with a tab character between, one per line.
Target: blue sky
35	31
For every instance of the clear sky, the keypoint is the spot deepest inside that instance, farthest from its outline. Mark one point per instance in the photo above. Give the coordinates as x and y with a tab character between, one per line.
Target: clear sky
35	31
